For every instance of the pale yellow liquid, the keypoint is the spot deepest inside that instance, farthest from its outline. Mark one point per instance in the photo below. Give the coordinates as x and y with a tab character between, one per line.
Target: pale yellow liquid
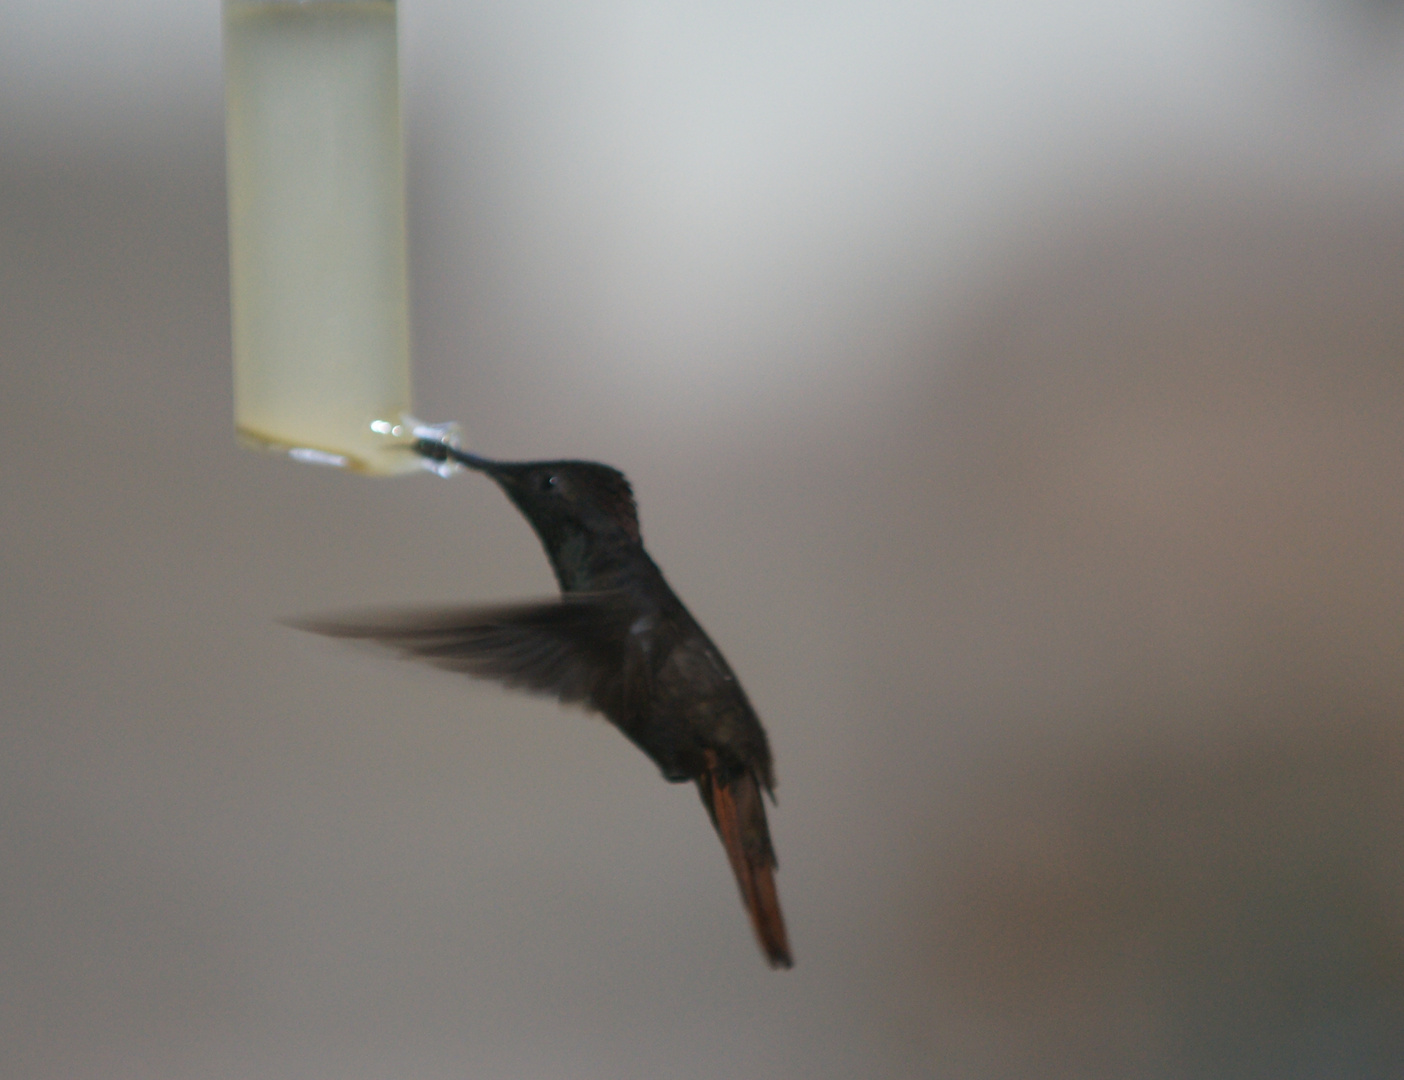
317	228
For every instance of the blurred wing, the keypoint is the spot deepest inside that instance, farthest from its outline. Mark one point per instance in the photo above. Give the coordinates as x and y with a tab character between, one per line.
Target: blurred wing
573	648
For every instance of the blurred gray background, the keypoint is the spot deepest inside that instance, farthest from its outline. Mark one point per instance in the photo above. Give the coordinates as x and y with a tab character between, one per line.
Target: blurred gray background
1016	391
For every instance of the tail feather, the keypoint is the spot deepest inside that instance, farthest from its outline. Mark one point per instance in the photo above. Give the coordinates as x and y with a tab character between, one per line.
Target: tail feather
739	816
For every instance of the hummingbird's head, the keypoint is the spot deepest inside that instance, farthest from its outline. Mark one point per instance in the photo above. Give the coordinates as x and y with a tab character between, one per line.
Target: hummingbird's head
563	500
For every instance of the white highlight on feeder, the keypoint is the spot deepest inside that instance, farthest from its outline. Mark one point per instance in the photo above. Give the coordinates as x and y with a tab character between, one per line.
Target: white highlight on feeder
317	231
317	457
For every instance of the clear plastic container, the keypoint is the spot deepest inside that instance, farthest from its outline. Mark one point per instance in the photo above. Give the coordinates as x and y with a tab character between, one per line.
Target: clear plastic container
318	275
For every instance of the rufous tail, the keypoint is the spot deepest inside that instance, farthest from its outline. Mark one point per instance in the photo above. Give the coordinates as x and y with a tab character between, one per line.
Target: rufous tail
739	816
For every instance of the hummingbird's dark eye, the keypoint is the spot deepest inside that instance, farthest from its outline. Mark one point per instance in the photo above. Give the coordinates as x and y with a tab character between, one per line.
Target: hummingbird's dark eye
549	482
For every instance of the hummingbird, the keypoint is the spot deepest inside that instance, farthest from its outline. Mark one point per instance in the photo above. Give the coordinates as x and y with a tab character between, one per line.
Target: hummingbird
617	641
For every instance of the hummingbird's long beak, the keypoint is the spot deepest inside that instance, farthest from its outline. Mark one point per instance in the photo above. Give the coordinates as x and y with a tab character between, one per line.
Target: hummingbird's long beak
442	451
